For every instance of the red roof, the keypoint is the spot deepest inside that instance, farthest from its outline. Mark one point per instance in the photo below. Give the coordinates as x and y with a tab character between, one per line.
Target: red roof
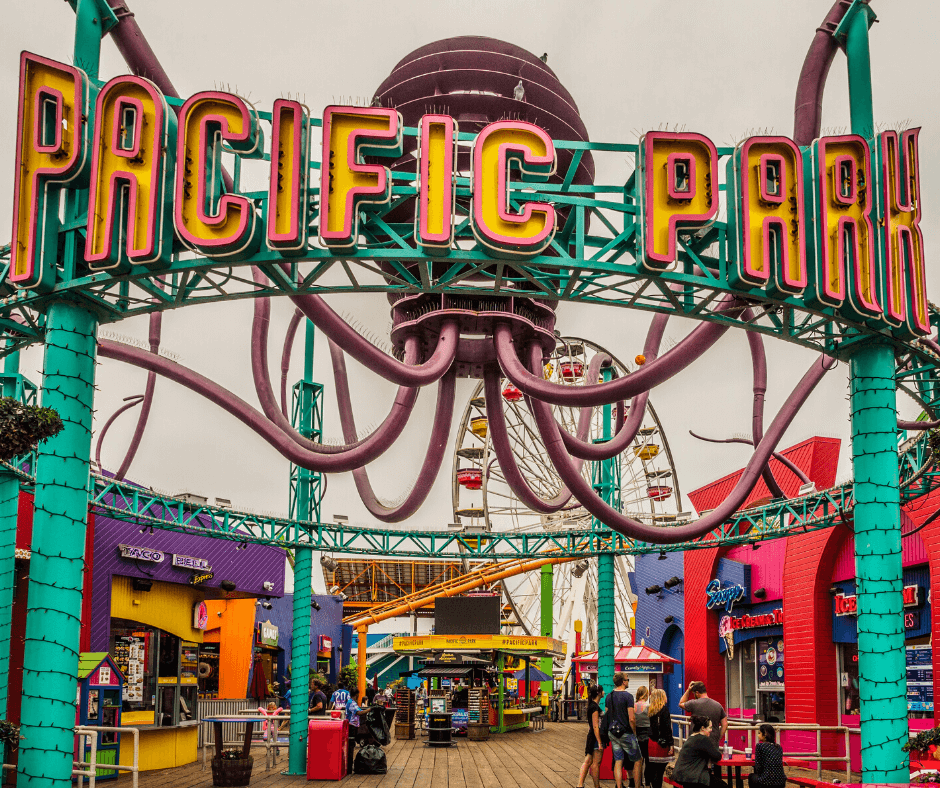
631	654
817	457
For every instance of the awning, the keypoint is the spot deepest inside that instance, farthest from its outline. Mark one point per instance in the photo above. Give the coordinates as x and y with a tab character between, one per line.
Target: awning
631	655
534	674
457	671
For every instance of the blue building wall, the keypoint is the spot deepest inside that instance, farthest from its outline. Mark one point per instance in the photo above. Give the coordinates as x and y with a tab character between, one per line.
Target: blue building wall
652	610
327	621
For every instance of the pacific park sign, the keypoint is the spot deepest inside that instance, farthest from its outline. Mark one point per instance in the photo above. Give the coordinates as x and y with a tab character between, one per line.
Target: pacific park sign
833	225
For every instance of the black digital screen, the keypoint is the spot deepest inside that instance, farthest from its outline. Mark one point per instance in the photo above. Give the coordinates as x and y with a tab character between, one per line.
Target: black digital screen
466	615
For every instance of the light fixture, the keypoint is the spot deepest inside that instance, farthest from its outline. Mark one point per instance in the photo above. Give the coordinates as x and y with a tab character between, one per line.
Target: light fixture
673	581
654	590
662	555
267	585
580	567
669	619
760	593
334	589
266	605
340	519
806	489
328	563
342	596
228	586
314	604
147	529
139	584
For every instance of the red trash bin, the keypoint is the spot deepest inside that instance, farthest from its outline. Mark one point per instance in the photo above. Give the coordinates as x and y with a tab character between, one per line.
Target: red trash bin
326	749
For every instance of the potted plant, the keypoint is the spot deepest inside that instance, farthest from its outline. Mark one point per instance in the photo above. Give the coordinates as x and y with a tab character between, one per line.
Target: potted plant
232	768
22	427
924	744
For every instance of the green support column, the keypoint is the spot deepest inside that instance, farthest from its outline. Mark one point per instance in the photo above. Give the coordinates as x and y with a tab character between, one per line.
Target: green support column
877	516
547	620
607	484
878	569
53	613
9	505
300	662
501	691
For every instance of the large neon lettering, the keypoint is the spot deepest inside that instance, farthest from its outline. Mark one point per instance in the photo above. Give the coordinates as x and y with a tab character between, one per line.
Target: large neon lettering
131	178
905	287
678	186
51	151
213	223
346	182
844	244
290	166
437	152
502	231
765	216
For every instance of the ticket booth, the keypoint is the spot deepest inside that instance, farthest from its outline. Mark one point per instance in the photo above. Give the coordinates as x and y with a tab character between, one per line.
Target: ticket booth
100	686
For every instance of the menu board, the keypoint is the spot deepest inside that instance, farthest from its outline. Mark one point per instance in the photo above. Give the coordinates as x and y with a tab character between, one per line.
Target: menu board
770	664
189	663
130	654
919	678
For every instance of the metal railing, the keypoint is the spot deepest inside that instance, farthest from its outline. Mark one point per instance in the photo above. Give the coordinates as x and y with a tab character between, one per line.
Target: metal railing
222	708
749	729
91	732
229	739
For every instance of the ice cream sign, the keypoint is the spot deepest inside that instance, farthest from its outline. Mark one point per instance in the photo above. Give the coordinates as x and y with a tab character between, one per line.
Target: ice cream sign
723	597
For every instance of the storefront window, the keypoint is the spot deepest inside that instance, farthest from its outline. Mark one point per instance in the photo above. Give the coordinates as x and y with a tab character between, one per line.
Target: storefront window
733	674
848	679
770	679
161	672
749	677
207	670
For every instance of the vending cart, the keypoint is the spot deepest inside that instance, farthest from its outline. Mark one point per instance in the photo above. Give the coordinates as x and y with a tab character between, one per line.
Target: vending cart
100	687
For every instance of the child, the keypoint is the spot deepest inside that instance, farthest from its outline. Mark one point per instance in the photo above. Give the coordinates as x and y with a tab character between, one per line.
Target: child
272	732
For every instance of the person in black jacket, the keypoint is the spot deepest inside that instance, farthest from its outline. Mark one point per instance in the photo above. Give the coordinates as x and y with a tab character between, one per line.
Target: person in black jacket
693	766
593	749
768	760
661	741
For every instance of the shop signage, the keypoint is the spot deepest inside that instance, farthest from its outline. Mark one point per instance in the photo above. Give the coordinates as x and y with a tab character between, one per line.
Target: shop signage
847	605
641	667
200	616
267	634
772	619
326	643
141	553
790	210
201	577
189	562
727	596
508	643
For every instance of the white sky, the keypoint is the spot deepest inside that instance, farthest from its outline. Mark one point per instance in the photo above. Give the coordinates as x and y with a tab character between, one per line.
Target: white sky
721	68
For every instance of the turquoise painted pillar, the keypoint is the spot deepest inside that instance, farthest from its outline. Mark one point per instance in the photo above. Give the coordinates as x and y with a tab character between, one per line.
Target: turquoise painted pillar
547	622
53	613
9	504
607	487
878	566
878	569
300	662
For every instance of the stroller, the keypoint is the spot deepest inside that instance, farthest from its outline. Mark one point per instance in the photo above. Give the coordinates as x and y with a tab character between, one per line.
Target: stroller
373	735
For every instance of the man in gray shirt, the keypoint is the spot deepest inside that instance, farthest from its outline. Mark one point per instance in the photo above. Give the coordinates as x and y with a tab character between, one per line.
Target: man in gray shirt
695	701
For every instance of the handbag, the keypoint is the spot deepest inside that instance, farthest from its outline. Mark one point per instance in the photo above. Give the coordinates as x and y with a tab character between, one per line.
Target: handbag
616	728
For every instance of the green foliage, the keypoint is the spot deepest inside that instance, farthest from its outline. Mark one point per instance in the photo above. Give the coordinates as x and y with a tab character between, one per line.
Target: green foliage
350	675
9	735
923	740
22	427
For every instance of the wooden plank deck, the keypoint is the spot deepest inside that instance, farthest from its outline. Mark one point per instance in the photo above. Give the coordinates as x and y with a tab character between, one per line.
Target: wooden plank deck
521	759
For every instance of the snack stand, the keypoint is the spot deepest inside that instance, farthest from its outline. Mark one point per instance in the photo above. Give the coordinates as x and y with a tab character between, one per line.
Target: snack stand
481	661
642	664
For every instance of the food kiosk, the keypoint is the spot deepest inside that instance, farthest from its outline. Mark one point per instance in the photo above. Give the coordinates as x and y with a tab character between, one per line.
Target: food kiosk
483	666
642	664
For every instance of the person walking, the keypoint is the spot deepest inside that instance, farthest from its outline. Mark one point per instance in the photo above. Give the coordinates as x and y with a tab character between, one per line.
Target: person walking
768	760
318	701
643	730
593	748
661	742
693	767
621	730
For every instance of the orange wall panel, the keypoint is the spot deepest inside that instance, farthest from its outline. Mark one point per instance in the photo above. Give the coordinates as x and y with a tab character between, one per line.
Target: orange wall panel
234	630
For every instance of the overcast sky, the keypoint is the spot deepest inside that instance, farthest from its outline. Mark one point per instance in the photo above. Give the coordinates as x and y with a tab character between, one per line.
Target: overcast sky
724	69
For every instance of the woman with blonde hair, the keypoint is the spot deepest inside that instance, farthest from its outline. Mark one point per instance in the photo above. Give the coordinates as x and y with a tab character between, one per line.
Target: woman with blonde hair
661	744
643	729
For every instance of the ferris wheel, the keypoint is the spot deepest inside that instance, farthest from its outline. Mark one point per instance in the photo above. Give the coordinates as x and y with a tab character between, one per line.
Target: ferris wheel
645	482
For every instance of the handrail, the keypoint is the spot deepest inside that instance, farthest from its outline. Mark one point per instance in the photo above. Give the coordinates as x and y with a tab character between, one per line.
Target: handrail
750	728
270	759
92	731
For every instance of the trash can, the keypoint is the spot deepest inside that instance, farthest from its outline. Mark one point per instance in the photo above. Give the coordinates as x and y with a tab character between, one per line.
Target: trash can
390	716
439	729
326	749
